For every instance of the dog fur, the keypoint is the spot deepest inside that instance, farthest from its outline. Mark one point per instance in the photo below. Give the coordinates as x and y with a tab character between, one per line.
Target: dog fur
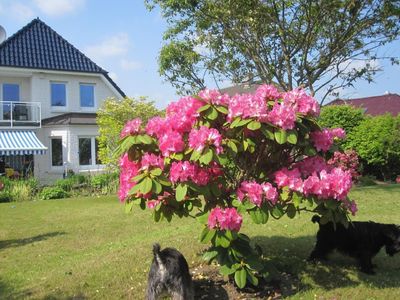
169	275
360	240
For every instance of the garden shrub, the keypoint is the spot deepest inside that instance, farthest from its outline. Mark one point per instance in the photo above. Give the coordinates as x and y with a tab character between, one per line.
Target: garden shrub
5	196
19	189
53	192
105	183
366	180
216	158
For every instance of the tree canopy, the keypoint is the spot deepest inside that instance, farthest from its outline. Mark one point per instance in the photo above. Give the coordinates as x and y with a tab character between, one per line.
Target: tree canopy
318	44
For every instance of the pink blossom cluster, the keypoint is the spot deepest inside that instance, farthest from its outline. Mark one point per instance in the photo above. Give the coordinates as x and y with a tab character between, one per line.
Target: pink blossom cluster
183	171
347	160
256	192
150	160
247	106
214	97
204	136
181	116
131	127
312	164
128	170
328	183
225	219
289	178
323	140
303	103
160	198
284	110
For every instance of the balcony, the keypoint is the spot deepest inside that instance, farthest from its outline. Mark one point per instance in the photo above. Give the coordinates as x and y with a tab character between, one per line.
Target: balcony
20	114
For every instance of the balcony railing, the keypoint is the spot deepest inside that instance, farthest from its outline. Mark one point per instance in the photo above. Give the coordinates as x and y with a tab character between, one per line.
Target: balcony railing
20	114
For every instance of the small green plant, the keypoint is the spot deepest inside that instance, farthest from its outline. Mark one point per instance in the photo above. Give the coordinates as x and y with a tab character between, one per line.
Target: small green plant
366	180
105	183
5	197
53	192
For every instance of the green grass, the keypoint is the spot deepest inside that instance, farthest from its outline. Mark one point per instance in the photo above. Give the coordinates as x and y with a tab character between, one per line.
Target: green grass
89	248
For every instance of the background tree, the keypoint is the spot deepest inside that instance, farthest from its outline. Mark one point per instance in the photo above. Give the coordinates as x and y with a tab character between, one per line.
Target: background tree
111	118
318	44
341	116
377	142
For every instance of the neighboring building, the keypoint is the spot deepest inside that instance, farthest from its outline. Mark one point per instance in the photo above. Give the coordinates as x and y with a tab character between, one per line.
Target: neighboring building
49	95
375	105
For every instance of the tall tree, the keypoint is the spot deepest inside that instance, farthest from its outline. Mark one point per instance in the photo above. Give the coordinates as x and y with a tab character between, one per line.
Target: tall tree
318	44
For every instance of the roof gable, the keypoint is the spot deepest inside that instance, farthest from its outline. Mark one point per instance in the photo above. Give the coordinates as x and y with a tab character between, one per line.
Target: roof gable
38	46
375	105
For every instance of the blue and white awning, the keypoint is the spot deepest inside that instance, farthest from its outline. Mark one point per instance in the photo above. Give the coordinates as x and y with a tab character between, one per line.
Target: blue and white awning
20	142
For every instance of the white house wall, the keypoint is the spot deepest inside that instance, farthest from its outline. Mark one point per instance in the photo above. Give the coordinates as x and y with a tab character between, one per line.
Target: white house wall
69	135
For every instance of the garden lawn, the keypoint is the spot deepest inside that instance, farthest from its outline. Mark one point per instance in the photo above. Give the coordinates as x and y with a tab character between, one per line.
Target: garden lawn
90	248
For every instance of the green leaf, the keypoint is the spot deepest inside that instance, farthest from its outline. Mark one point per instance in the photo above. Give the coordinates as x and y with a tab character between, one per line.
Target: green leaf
244	122
222	109
277	212
157	188
202	217
180	192
253	279
215	189
195	155
236	203
210	255
156	172
225	270
146	185
259	216
139	177
296	199
268	133
292	137
222	240
310	151
207	235
145	139
254	125
240	278
280	136
203	108
207	156
232	146
128	206
291	211
212	114
157	215
235	122
164	180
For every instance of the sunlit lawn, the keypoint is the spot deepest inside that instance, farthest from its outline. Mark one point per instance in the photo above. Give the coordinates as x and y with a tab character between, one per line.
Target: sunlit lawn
89	248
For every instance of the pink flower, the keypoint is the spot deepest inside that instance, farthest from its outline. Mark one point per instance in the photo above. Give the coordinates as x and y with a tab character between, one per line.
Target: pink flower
201	176
128	170
270	192
302	102
246	106
199	139
282	115
214	97
225	219
183	113
289	178
171	142
323	140
157	126
181	171
312	164
131	127
268	92
151	160
152	203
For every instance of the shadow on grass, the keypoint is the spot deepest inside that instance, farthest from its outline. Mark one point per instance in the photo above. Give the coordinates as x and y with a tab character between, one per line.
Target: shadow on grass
288	256
206	289
22	242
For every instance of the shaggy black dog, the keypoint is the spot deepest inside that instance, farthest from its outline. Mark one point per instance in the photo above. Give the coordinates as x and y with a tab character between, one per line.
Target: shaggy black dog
169	275
361	240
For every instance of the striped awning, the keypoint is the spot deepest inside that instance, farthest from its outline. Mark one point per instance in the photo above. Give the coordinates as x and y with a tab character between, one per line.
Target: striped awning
20	142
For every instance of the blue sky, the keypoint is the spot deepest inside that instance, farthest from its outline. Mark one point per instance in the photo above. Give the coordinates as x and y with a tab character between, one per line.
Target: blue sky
124	38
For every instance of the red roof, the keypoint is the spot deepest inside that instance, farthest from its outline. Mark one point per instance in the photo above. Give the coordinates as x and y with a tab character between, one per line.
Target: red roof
375	105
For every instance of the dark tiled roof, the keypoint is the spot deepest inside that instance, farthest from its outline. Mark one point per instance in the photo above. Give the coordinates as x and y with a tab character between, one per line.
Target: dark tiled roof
37	46
376	105
71	119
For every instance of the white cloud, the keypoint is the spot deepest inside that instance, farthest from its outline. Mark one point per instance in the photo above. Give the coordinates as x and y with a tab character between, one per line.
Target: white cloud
128	65
59	7
21	11
111	47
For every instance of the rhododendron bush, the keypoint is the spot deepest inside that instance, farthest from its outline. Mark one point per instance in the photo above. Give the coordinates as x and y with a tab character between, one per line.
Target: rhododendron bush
218	158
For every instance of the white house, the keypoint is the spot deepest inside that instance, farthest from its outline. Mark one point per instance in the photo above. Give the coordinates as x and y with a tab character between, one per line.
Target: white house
49	95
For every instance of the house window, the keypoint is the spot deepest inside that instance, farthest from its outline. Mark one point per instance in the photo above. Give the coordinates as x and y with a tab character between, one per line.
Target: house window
56	152
88	151
87	95
10	93
58	94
